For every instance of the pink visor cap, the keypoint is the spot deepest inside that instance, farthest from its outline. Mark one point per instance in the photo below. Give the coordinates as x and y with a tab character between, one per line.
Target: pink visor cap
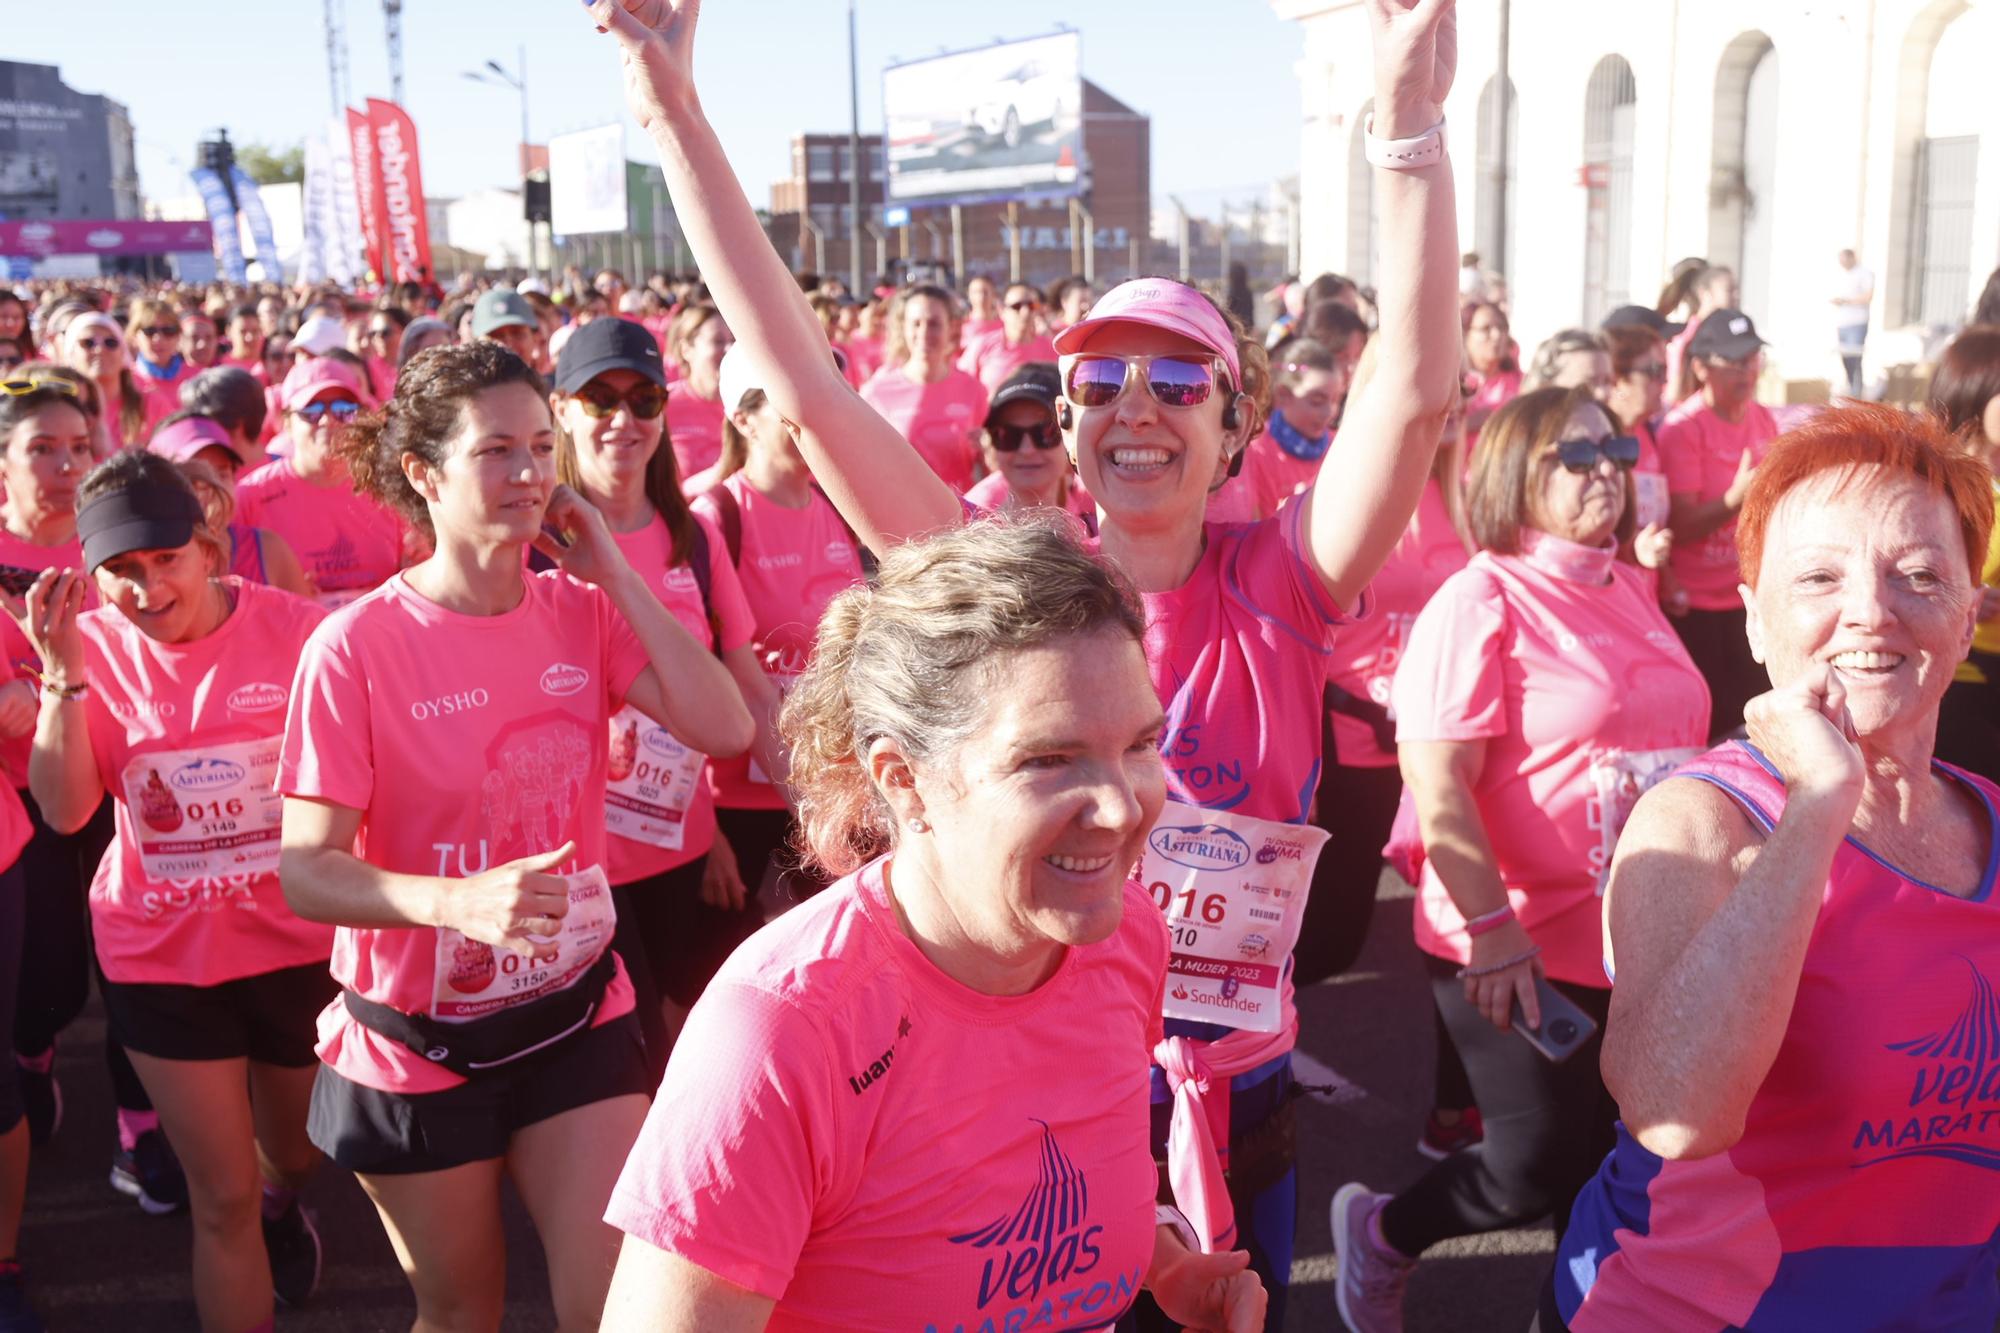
1159	303
310	378
183	439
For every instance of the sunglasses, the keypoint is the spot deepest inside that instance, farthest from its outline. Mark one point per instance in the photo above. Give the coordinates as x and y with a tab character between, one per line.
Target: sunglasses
105	343
37	383
645	401
1173	381
162	330
1024	305
1581	456
340	409
1009	439
380	333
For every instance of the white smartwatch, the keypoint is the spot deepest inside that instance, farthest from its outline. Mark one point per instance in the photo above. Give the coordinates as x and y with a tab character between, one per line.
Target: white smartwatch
1414	154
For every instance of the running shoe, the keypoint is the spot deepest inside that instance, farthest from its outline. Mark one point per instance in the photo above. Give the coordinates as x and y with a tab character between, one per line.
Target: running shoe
16	1314
1439	1140
41	1099
292	1241
151	1174
1369	1288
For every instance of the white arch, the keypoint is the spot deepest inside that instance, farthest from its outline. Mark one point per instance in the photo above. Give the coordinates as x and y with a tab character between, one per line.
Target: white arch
1610	105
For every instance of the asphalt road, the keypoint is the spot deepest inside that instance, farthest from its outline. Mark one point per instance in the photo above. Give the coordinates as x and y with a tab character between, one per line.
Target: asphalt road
96	1263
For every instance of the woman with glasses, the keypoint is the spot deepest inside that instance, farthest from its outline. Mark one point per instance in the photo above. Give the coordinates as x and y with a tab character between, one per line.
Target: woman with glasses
153	334
931	403
659	809
347	543
992	356
381	346
1240	618
1540	693
1709	447
94	345
1026	465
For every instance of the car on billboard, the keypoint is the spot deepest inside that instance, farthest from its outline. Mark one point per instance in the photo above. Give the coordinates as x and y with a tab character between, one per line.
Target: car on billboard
1026	97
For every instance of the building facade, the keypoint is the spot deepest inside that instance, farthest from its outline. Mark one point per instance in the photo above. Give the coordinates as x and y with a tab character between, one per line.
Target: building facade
63	154
1762	134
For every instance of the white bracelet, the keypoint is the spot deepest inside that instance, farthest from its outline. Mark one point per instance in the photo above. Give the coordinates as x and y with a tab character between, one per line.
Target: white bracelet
1166	1215
1425	150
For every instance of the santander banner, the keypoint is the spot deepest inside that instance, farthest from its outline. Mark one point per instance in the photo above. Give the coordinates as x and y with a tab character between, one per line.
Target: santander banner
407	234
368	193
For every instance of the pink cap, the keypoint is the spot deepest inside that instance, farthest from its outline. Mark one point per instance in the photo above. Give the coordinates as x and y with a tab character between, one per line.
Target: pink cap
308	379
183	439
1159	303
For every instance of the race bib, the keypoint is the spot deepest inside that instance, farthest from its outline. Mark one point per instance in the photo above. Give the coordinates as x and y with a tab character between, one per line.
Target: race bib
1618	778
1234	892
208	812
784	680
649	782
1650	503
473	979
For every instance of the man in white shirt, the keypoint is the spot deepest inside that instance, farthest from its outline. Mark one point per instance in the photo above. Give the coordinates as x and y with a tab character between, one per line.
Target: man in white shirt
1853	290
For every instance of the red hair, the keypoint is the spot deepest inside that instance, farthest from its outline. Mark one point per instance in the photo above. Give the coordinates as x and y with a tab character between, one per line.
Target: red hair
1863	434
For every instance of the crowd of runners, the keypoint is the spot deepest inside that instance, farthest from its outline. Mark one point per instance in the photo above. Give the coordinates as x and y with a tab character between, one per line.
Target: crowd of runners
832	794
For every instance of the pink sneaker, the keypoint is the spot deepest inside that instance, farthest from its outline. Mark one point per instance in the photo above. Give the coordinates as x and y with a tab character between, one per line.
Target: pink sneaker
1372	1277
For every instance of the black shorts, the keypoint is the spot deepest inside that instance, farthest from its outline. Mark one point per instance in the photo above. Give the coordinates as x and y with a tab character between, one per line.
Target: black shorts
271	1017
376	1133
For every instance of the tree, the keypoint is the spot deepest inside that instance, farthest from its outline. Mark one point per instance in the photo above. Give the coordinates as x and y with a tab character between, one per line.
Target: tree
272	166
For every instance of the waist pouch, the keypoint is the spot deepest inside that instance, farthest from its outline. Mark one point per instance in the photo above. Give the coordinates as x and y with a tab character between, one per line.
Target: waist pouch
1365	711
484	1044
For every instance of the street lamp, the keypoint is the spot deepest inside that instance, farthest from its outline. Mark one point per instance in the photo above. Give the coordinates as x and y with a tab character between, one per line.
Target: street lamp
496	73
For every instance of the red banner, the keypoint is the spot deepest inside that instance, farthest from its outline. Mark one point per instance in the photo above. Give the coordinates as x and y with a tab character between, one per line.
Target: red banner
368	193
408	232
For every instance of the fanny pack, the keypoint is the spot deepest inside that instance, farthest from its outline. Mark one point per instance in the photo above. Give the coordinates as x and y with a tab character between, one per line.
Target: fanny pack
484	1044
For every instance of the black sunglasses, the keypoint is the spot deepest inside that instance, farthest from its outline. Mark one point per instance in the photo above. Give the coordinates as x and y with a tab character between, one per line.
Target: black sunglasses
644	400
1008	439
162	330
1024	305
1583	455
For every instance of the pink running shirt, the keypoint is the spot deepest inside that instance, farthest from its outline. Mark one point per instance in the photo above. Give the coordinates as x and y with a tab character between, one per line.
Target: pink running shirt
1700	452
1274	476
795	1144
189	733
794	562
1561	661
991	358
21	658
694	428
163	396
937	419
1366	654
991	493
347	543
466	742
649	550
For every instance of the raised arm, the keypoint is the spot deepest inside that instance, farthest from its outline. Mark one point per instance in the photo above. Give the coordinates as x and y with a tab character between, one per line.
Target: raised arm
879	483
1389	435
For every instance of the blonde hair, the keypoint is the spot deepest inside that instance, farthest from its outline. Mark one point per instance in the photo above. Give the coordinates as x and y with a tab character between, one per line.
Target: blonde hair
910	657
685	326
896	348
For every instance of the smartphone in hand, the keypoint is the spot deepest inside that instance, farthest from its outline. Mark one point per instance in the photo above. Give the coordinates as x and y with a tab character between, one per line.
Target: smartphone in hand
1565	1028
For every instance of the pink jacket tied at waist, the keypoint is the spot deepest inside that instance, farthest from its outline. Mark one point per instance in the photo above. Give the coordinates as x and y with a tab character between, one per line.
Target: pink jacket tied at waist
1193	1166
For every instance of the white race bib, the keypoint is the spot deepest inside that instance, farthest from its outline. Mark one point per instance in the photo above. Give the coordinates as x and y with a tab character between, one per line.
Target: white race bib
206	813
1650	502
649	783
1618	778
474	979
1234	892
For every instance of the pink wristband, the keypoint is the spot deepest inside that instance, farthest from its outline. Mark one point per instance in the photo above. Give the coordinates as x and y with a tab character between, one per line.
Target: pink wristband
1492	920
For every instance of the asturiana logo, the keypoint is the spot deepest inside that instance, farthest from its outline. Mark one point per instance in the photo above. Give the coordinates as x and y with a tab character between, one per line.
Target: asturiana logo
207	775
1207	847
259	696
563	679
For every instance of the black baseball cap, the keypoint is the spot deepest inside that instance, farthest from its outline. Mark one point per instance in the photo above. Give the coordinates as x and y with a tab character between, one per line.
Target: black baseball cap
608	343
1642	317
149	514
1727	334
1038	381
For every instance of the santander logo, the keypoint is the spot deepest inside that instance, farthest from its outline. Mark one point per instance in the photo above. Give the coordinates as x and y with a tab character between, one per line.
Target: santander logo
562	679
259	696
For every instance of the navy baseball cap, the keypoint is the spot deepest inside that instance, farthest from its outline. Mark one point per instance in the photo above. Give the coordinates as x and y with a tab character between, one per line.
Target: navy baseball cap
608	344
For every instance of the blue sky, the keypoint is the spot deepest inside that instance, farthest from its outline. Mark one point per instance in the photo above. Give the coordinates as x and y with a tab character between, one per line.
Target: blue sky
1215	76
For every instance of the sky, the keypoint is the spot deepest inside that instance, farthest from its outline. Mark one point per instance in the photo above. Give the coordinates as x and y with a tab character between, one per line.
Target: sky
1216	76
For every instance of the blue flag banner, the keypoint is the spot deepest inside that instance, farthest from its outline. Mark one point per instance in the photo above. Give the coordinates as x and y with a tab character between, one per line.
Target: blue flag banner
222	217
261	237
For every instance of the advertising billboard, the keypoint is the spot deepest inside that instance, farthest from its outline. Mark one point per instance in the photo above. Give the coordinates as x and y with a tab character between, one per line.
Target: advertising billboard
587	181
997	122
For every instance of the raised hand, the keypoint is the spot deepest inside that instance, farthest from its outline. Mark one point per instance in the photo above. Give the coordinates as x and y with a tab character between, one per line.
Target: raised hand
1653	545
516	906
47	614
587	549
656	40
1416	58
1211	1293
1804	730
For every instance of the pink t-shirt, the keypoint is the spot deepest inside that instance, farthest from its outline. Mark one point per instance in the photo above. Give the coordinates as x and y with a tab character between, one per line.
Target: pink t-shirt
1273	476
822	1081
992	494
937	419
1493	393
649	550
1560	660
794	562
694	428
186	739
466	742
253	365
972	330
163	396
21	658
864	357
1366	654
347	543
1700	452
991	358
